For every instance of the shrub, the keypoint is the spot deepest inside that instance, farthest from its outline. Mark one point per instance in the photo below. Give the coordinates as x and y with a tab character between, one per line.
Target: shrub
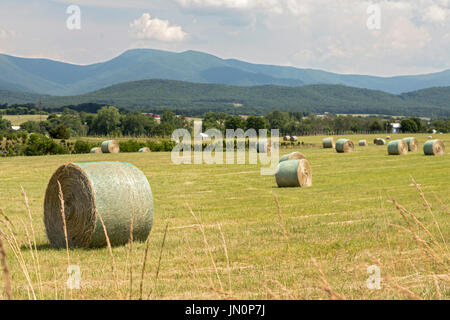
163	146
41	145
131	146
83	147
60	132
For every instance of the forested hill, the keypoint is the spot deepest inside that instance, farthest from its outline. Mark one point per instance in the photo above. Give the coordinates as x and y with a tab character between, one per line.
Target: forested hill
194	98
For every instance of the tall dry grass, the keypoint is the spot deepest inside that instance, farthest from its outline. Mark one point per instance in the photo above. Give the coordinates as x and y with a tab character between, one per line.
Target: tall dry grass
428	238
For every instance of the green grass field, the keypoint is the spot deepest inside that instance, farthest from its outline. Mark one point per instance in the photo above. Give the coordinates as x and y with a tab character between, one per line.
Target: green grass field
17	120
318	246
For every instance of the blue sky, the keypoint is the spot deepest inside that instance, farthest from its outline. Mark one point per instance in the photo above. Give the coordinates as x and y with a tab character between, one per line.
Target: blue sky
414	36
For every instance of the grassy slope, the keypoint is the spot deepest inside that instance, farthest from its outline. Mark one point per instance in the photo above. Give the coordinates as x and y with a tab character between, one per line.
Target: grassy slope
342	219
17	120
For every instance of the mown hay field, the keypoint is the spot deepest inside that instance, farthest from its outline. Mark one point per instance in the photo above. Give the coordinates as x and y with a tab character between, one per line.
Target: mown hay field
236	243
17	120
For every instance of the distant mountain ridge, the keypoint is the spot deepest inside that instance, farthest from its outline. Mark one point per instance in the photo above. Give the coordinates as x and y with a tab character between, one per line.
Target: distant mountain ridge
45	76
196	99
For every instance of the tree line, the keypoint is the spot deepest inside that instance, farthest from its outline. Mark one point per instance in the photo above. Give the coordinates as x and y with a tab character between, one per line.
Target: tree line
110	121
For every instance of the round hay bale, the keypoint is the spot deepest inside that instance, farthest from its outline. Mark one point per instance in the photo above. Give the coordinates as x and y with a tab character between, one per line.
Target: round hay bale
294	139
397	148
110	146
96	150
434	148
286	138
263	146
145	150
413	144
388	138
363	143
379	142
430	137
294	173
113	192
344	146
328	143
293	156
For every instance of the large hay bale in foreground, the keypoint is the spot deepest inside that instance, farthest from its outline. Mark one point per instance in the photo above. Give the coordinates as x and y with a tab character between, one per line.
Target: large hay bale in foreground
110	146
413	144
344	146
117	193
434	148
363	143
96	150
293	156
263	146
397	148
144	150
293	173
328	143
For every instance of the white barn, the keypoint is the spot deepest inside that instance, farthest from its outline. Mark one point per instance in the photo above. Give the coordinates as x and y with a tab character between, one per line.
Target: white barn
396	127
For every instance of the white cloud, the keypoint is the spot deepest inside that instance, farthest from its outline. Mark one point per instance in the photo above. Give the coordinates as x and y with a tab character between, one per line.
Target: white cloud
7	34
269	5
298	7
436	13
147	28
405	35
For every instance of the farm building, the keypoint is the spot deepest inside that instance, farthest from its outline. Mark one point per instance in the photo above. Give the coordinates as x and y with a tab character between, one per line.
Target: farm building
396	127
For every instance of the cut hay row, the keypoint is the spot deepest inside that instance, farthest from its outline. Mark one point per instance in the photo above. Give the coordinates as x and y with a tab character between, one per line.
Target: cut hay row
294	173
434	148
413	144
114	194
344	146
328	143
397	148
110	146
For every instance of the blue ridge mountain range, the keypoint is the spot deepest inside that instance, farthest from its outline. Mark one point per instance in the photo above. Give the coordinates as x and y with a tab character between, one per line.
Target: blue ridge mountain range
50	77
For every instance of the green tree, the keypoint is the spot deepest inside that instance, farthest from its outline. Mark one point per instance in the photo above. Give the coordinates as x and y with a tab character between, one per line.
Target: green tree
419	124
107	121
60	132
72	121
4	124
234	122
34	126
277	119
409	126
376	126
256	123
136	124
